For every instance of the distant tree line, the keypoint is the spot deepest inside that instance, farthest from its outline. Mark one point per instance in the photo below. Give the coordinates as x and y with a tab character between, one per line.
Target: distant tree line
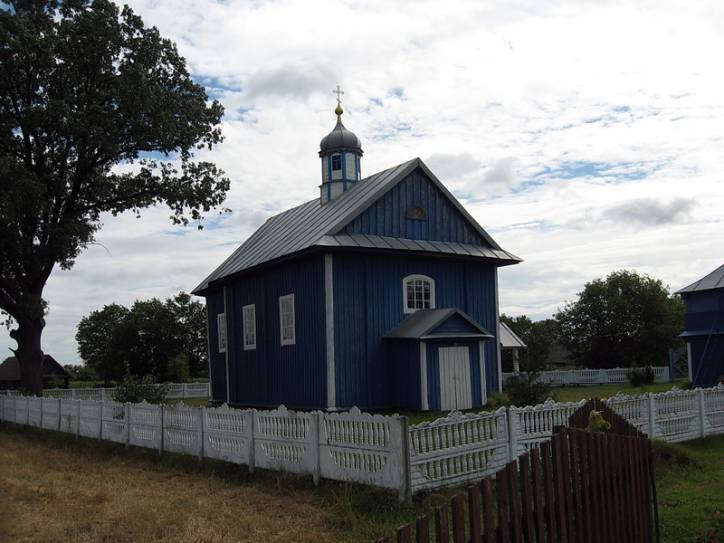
163	339
624	320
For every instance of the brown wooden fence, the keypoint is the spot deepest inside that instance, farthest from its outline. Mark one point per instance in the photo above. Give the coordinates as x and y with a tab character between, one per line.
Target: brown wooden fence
579	487
619	425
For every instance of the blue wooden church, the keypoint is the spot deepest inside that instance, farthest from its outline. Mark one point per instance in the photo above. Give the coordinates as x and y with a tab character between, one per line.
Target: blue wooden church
381	293
704	334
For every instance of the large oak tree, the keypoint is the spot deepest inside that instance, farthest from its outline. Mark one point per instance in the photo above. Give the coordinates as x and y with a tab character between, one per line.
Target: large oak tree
86	87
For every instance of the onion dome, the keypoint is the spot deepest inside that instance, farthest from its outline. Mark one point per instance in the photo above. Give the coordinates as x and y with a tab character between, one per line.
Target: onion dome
340	138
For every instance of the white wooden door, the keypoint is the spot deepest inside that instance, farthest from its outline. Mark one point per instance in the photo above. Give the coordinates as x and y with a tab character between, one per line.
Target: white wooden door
455	389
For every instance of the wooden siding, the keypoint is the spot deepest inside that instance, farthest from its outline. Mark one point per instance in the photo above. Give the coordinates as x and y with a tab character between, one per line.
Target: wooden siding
705	314
387	215
272	374
217	361
456	324
368	303
403	359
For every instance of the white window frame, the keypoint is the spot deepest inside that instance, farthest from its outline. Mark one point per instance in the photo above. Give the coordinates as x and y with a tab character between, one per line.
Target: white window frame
248	319
221	335
293	338
417	277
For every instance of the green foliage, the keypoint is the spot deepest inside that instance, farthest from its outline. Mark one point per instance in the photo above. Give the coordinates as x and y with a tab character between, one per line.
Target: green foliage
498	399
596	422
526	389
80	372
541	339
715	533
627	319
639	377
134	390
86	87
164	339
177	369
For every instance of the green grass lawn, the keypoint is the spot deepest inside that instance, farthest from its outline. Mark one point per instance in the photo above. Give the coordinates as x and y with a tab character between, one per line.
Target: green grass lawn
690	488
575	393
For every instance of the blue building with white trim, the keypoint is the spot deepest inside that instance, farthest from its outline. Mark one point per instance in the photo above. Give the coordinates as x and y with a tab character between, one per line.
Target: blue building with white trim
704	334
381	293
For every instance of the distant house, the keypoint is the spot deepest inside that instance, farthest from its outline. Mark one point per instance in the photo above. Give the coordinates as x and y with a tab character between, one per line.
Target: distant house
52	373
380	293
704	334
511	343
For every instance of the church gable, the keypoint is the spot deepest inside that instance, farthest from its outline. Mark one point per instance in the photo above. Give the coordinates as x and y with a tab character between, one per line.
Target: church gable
415	208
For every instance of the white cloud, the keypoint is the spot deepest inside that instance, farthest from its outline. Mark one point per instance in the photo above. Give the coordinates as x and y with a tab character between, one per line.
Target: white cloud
612	110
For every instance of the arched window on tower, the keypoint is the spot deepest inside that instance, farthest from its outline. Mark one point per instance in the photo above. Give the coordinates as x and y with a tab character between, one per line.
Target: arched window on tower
418	292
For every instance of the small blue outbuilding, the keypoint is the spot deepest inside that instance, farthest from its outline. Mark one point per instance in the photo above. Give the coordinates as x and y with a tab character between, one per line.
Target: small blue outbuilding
704	334
381	293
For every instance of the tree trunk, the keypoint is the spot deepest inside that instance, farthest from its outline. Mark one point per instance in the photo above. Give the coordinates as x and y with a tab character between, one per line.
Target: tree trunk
30	355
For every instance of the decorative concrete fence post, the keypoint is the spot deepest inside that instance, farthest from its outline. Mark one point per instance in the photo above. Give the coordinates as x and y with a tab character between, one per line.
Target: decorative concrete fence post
406	487
512	433
77	419
127	418
163	436
202	434
652	415
60	412
314	425
184	390
702	412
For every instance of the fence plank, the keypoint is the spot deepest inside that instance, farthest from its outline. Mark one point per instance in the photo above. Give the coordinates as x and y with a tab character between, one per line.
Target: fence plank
576	485
538	486
442	526
474	514
488	511
422	530
458	518
404	534
568	485
586	511
516	528
501	486
526	497
601	487
550	499
560	489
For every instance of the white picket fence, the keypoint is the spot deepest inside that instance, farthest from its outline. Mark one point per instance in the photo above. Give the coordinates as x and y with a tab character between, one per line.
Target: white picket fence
174	391
604	376
353	446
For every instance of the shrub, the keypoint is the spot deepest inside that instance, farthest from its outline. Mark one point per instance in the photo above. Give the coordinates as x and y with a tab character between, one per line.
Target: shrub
525	389
135	390
596	422
498	399
639	377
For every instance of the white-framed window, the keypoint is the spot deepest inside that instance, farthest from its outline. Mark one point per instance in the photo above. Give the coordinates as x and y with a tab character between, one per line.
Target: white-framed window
248	313
221	331
286	320
418	292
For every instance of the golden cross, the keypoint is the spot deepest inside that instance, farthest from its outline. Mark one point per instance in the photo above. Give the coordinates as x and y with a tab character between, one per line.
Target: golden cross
339	92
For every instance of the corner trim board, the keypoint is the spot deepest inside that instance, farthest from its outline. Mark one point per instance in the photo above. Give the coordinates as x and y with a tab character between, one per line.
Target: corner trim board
481	361
226	351
497	332
329	330
424	403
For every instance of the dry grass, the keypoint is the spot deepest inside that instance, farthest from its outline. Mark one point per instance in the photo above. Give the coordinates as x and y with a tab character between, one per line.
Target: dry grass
55	491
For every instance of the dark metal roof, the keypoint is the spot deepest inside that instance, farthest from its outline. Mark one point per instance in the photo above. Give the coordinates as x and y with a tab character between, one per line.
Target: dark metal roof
509	339
315	224
339	138
421	325
10	368
709	282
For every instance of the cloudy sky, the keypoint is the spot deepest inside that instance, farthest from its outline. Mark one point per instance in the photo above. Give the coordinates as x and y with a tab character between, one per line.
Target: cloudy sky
586	137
